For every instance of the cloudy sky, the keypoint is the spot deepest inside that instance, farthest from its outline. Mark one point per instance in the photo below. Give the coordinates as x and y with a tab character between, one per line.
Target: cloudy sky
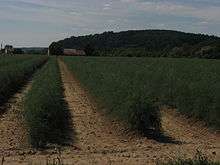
39	22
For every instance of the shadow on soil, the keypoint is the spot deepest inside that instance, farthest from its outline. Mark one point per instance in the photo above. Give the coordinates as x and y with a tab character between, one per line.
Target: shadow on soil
69	137
64	136
4	103
18	88
69	133
161	137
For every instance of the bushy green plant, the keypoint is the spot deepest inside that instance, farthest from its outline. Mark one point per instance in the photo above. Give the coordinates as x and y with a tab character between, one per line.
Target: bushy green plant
190	85
14	71
46	114
121	95
143	115
5	61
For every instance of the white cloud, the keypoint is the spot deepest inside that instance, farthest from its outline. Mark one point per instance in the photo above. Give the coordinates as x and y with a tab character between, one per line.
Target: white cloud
107	6
49	20
128	1
210	13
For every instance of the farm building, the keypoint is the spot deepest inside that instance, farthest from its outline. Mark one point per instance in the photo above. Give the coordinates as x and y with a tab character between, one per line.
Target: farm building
2	50
9	49
74	52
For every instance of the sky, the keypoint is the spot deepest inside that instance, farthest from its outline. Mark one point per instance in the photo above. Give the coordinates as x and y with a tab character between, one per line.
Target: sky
27	23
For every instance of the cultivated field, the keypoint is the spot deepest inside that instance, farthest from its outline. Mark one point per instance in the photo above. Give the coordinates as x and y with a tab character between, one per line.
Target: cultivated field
45	110
14	71
90	110
137	85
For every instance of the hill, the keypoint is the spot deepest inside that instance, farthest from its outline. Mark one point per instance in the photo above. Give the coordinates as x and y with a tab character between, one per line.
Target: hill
148	43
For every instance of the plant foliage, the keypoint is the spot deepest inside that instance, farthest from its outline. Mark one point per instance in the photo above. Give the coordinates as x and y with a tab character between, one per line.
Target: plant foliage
118	91
148	43
46	113
131	87
14	71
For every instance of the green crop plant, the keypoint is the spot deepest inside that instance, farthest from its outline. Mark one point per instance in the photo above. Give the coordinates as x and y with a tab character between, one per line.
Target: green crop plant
46	114
5	61
118	91
131	87
15	72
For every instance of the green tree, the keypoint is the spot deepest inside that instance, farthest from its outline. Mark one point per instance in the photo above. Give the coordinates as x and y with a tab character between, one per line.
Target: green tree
89	50
56	49
18	51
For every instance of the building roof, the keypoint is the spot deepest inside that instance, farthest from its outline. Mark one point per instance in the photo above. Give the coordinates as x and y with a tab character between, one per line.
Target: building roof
74	52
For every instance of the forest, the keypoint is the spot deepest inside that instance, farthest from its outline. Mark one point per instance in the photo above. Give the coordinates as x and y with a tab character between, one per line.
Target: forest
141	43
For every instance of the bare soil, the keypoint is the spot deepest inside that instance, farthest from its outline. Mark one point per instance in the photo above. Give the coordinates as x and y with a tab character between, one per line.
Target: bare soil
13	135
100	140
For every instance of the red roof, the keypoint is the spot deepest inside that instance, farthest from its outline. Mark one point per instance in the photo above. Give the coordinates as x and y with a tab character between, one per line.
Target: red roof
74	52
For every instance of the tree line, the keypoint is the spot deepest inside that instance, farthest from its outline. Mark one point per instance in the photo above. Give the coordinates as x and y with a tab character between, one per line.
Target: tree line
165	43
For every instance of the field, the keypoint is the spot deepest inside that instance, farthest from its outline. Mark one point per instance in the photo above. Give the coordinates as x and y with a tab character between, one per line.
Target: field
11	60
95	110
123	85
14	71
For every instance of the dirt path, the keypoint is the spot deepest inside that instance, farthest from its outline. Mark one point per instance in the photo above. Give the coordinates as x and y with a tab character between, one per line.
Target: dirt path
13	137
99	140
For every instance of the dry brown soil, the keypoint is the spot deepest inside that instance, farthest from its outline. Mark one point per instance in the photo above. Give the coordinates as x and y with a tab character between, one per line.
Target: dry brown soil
98	140
13	135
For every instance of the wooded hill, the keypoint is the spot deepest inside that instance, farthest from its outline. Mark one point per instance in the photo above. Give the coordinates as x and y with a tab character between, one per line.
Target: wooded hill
147	43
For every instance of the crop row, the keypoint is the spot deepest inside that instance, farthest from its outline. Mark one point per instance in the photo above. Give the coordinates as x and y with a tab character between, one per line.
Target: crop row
117	91
133	88
14	75
5	61
46	114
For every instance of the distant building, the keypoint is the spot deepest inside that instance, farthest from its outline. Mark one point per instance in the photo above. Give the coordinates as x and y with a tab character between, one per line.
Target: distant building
74	52
9	49
2	50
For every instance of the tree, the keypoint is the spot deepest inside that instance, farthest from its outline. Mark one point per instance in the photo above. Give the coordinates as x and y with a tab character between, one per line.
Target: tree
154	43
56	49
89	50
18	51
